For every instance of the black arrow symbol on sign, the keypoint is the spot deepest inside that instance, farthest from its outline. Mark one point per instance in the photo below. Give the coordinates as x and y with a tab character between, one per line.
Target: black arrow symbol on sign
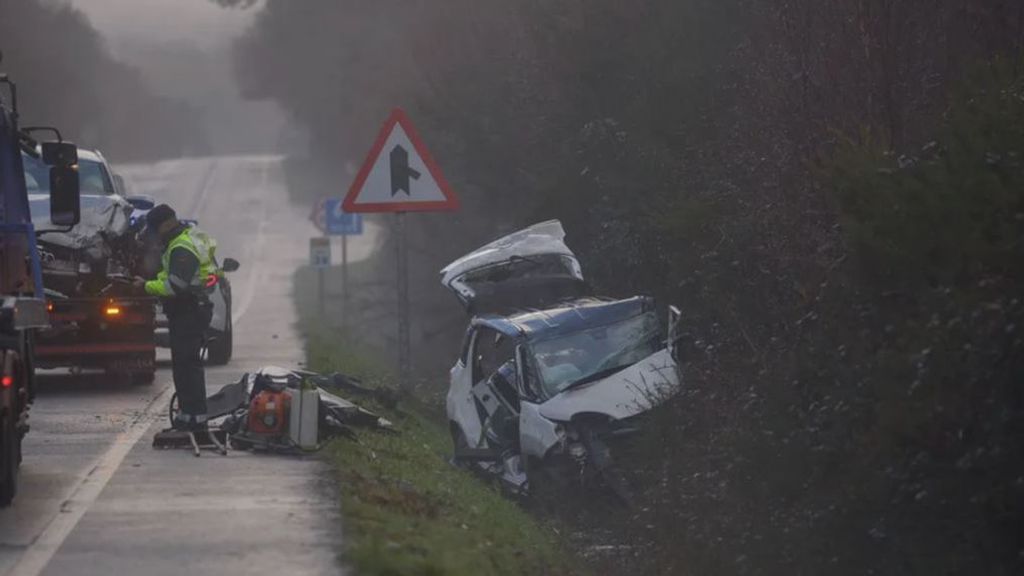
400	171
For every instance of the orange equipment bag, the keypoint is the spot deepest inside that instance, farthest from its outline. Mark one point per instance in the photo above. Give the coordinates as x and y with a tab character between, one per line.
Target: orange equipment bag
268	413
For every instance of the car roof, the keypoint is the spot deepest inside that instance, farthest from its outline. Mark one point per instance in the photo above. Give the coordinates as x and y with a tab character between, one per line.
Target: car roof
566	318
91	155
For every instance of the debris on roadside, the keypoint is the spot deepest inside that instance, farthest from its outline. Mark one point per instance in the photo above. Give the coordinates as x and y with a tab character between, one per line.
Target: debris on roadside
280	410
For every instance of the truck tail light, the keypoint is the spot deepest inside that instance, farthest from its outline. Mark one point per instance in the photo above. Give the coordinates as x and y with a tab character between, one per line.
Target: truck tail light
113	311
7	379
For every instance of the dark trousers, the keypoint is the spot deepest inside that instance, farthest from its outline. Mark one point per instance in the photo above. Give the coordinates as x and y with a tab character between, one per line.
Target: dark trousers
187	322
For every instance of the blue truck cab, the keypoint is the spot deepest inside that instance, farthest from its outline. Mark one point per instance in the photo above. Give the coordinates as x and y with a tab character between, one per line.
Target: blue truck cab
23	309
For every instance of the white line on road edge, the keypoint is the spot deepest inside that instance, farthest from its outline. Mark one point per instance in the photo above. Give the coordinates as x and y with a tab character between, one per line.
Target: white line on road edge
256	270
204	187
84	495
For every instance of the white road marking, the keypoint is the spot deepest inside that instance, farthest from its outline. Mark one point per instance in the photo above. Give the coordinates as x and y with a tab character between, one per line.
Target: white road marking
255	271
35	558
199	200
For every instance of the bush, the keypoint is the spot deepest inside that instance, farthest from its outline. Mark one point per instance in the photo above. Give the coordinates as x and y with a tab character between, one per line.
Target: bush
955	211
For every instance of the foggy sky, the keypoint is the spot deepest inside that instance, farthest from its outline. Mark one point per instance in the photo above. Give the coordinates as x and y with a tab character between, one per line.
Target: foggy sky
198	22
181	47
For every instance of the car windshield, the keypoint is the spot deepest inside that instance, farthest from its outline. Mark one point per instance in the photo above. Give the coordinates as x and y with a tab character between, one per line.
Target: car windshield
562	361
92	176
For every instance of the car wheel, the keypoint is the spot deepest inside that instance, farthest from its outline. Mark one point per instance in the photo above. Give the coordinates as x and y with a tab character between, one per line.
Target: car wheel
220	348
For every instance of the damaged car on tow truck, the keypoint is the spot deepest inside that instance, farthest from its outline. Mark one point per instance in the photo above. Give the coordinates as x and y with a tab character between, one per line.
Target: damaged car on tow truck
550	377
95	321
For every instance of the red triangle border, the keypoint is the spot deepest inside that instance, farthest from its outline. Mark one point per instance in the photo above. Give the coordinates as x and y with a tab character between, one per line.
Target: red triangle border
398	117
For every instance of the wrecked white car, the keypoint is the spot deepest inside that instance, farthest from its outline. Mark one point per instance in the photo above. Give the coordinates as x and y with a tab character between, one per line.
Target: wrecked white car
548	375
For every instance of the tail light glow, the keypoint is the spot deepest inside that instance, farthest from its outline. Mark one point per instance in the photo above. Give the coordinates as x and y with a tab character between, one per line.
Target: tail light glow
7	381
113	311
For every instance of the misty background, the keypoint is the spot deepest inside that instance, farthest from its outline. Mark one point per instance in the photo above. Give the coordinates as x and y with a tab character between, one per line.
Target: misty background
138	79
833	193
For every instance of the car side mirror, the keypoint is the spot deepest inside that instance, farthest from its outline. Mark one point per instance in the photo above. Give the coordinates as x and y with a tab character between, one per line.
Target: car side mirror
230	265
62	154
65	196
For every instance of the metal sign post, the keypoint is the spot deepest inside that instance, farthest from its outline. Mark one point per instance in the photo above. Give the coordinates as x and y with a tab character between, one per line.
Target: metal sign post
329	216
400	176
402	262
320	258
321	297
344	281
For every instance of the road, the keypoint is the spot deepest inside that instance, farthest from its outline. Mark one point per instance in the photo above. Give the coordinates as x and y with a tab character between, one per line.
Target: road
95	498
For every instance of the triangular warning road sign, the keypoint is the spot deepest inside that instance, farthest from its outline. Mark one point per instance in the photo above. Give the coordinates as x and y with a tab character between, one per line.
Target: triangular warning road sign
399	174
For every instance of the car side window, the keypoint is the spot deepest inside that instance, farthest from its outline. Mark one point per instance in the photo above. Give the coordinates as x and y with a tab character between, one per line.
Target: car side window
491	349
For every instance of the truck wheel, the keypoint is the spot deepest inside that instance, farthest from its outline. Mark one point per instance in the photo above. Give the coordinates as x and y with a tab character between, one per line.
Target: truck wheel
10	446
29	363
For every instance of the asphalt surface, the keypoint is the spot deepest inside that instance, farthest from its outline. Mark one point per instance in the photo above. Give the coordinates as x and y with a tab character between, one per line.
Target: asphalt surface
96	498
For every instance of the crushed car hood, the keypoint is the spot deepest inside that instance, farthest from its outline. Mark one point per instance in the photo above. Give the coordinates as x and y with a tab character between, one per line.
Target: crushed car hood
633	390
527	269
100	214
80	259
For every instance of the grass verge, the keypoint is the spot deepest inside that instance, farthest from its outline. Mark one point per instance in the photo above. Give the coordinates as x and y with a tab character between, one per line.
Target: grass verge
407	510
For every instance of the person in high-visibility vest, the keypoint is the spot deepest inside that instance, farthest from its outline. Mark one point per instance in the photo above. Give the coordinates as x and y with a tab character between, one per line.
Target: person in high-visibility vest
183	285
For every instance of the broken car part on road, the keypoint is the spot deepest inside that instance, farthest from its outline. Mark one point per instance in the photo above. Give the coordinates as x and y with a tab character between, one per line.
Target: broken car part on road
550	377
275	409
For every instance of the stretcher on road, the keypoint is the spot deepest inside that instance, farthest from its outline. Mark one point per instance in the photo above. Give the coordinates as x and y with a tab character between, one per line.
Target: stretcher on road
221	404
197	440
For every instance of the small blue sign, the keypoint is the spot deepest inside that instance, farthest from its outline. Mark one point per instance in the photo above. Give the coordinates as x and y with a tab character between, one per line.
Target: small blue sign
337	222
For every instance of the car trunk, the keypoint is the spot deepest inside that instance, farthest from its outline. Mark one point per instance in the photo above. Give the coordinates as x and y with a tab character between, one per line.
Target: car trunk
531	268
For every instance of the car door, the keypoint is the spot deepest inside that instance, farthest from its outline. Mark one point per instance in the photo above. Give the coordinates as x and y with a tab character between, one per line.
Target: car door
460	403
494	388
537	434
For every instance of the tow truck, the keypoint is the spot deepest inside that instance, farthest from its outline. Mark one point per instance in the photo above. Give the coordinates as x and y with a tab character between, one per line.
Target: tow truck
23	309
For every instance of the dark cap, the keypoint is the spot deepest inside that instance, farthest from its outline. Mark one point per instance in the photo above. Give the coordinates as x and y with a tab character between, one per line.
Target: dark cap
160	214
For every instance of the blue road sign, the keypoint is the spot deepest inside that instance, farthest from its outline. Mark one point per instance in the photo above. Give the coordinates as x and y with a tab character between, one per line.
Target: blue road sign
337	222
